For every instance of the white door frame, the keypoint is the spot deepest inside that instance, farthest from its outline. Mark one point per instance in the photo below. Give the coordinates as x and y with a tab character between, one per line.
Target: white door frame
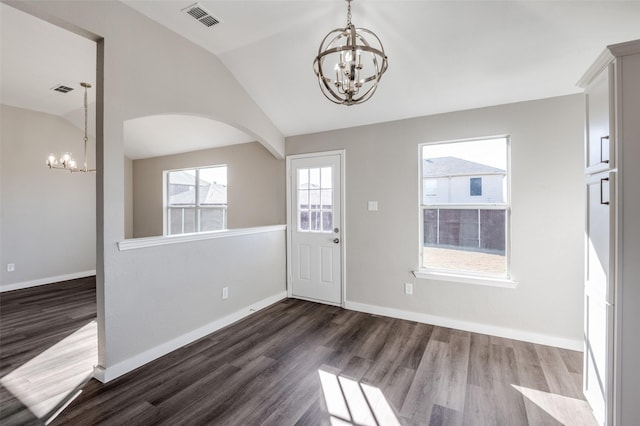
343	229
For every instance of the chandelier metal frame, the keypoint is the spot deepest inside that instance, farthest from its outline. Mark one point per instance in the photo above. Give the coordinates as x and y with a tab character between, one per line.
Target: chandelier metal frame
66	161
349	46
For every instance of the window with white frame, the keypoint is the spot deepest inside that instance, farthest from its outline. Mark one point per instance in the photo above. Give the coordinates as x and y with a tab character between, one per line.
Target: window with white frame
465	223
196	200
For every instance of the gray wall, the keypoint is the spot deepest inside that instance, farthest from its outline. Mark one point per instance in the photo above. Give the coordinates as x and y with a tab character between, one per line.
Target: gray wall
48	218
128	197
139	63
256	192
547	216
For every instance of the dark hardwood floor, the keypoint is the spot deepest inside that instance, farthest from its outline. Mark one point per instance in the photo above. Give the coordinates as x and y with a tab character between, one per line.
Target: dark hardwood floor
304	363
48	348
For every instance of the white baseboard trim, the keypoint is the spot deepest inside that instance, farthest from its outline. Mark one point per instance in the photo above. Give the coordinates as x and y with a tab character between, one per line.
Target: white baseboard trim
493	330
47	280
107	374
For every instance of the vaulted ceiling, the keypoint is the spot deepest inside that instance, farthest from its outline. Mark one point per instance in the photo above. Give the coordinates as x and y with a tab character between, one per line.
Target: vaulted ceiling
443	55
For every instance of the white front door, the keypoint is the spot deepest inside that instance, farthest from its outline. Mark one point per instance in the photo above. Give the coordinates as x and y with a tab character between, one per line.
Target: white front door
315	251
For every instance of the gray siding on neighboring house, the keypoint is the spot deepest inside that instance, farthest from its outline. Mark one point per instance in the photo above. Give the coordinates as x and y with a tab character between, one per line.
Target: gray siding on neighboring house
448	180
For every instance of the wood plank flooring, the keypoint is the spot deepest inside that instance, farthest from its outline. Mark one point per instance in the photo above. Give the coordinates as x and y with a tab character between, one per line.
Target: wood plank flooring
48	347
302	363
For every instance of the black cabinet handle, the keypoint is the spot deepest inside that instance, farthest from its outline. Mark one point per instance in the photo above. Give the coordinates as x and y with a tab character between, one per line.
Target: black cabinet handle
602	139
601	191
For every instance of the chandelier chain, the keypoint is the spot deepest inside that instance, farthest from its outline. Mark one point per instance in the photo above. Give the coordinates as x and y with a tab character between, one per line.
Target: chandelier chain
348	13
86	113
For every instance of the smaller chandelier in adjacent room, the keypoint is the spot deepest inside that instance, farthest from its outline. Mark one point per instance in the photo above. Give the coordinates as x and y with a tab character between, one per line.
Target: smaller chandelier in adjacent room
349	67
66	161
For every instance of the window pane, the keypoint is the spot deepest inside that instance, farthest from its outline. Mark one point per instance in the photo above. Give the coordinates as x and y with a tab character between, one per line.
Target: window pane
182	187
326	201
213	185
190	220
303	199
430	219
327	221
471	240
314	178
456	166
314	199
175	221
213	219
315	221
303	178
182	220
492	230
303	220
326	178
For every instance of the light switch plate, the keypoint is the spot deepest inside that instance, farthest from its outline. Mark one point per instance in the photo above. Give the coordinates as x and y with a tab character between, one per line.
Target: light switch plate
372	206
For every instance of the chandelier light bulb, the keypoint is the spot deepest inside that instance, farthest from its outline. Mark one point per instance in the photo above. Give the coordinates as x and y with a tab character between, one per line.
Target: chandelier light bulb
51	160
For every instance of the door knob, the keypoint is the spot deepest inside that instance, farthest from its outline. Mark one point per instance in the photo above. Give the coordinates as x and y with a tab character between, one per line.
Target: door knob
336	240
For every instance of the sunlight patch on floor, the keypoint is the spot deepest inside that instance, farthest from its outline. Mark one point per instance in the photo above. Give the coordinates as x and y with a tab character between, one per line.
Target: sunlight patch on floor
564	409
44	382
353	403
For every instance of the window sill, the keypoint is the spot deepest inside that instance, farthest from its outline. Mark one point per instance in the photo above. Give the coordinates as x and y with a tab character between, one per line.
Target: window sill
466	279
137	243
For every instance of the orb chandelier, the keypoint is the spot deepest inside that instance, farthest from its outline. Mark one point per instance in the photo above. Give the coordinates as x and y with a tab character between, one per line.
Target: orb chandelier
348	66
66	161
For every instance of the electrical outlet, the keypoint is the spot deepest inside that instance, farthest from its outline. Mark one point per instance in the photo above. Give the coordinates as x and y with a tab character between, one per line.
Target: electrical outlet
225	293
11	267
372	206
408	288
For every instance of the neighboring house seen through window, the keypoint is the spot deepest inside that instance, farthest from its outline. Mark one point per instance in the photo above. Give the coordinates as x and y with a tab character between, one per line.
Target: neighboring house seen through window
465	223
196	200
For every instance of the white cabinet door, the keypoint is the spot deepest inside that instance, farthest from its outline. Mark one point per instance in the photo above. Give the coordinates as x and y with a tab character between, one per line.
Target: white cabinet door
600	141
599	294
316	231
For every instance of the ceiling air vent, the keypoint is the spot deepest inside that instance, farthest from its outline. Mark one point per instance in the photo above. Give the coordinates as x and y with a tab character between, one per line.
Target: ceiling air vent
62	88
201	14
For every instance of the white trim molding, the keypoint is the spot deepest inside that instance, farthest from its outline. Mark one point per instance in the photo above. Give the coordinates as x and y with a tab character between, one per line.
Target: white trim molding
493	330
109	373
466	279
138	243
46	280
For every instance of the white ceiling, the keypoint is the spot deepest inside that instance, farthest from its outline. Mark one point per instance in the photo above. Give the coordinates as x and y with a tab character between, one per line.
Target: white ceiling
443	55
36	56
